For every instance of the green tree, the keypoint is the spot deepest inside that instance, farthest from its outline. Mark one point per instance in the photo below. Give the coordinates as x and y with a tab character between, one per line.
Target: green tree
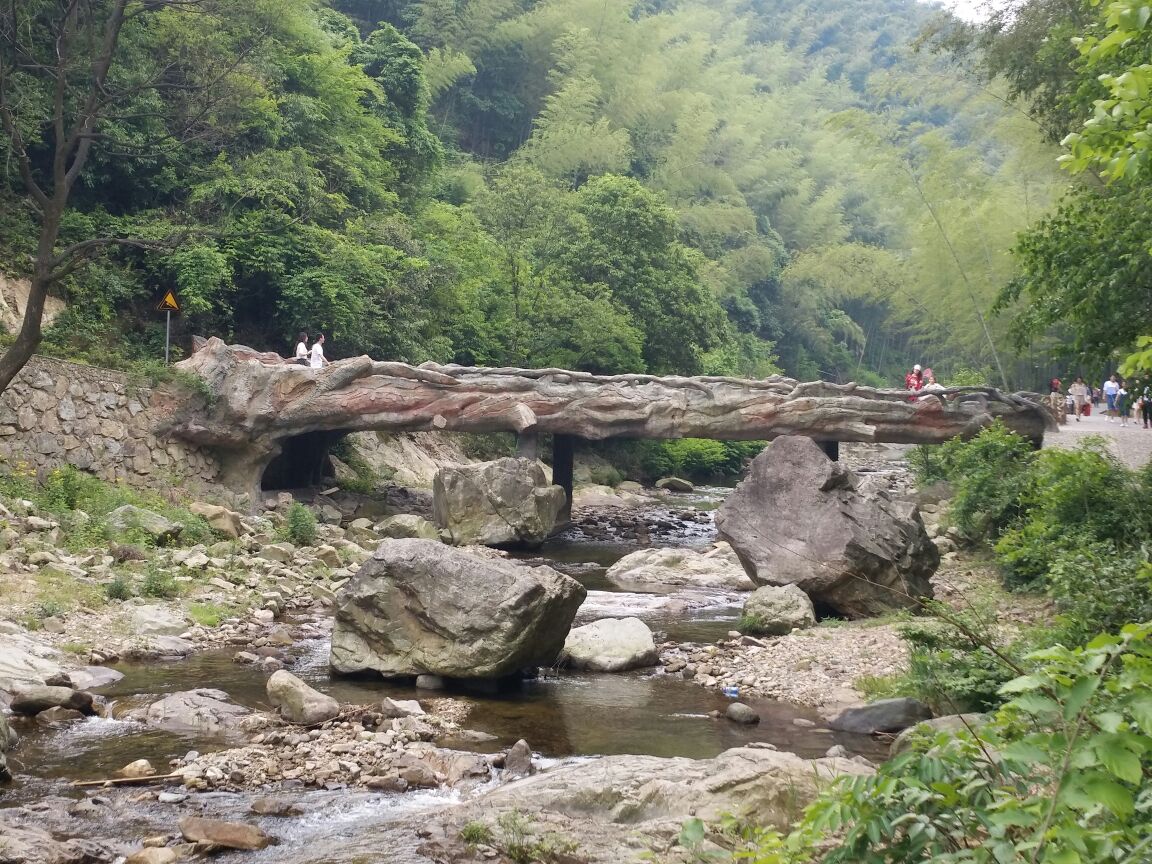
84	80
623	243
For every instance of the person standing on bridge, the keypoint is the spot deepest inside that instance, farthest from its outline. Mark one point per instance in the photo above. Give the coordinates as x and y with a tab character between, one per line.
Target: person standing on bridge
319	361
914	380
302	349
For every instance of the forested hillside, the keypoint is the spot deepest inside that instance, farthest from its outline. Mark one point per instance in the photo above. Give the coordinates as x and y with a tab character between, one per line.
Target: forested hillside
737	187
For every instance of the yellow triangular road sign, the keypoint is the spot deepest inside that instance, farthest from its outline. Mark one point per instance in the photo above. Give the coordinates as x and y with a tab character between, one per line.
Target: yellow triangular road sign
169	303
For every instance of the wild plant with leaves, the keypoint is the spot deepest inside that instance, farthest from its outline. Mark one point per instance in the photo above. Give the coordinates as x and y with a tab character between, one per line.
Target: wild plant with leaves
1061	774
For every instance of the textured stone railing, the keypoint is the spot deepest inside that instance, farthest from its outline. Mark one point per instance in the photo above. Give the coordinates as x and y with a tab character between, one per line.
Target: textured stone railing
259	401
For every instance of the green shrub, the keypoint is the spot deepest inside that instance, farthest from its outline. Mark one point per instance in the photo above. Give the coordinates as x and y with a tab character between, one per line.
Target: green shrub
1072	498
299	526
49	609
195	529
81	503
958	667
118	589
1099	590
1061	773
1025	553
159	583
476	833
754	625
698	458
208	614
605	475
989	475
490	445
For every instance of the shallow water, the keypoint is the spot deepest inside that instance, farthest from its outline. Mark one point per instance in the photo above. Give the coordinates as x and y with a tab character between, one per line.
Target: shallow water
562	715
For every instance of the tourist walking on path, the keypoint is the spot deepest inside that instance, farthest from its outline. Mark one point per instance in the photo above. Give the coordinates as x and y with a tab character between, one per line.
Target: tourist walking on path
1111	388
1123	404
914	380
1056	401
1145	403
1079	393
318	358
302	349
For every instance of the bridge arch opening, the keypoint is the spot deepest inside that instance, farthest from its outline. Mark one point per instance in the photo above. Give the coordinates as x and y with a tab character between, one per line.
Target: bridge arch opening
302	461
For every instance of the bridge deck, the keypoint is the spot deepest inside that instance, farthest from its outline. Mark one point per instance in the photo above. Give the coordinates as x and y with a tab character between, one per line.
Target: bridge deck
258	401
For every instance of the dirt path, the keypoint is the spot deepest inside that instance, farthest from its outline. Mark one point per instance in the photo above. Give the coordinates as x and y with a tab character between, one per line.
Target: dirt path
1132	444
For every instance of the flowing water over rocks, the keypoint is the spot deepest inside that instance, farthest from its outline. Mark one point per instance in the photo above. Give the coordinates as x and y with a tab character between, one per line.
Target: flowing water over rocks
565	715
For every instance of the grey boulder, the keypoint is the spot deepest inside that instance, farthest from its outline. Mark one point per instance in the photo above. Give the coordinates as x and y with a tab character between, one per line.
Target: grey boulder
717	568
157	620
419	607
610	645
506	502
31	700
738	712
407	525
799	518
221	519
202	711
885	715
777	610
297	702
159	528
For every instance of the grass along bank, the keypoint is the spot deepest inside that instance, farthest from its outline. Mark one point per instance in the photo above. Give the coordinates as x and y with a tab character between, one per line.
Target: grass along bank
103	570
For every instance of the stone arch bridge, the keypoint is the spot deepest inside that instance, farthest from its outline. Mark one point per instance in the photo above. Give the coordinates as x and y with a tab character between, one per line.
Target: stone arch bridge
261	414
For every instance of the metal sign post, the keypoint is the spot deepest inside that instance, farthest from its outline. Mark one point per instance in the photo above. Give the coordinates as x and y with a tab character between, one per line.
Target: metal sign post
168	305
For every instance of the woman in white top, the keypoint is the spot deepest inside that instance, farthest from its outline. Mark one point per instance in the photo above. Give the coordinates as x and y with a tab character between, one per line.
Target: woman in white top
318	358
302	349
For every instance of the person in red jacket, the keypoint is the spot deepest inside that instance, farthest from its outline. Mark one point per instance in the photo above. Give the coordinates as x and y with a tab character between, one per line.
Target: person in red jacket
914	380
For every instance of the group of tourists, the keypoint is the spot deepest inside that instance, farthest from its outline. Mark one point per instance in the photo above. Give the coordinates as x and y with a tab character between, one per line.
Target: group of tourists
921	379
1121	399
312	357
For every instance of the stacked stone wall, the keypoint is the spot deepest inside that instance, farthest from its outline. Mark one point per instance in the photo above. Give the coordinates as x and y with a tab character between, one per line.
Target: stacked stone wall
56	413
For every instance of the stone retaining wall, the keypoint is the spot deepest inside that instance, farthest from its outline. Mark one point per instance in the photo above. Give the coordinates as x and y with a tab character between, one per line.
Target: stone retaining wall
56	413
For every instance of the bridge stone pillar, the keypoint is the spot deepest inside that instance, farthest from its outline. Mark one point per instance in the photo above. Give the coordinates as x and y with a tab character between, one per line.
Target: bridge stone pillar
563	453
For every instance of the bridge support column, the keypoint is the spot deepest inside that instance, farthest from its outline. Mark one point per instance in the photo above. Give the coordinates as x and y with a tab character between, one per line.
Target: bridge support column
563	453
831	449
528	445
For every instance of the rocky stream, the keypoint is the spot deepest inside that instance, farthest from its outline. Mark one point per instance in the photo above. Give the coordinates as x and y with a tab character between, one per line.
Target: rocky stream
392	771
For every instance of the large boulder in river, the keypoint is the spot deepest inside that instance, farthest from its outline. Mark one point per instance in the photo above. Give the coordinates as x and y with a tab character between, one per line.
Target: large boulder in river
610	645
203	711
717	568
507	502
299	703
883	715
33	699
419	607
777	610
800	519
